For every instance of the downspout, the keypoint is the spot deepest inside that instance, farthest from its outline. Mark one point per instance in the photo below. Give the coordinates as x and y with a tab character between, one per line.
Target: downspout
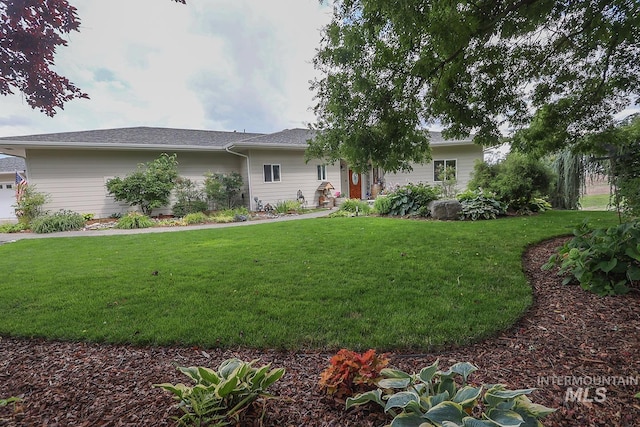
248	174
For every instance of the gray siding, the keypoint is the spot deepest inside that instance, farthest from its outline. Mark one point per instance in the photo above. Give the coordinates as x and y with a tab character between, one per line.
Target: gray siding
75	179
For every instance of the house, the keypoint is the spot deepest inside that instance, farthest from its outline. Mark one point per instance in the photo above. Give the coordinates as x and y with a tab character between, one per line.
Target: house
73	167
9	168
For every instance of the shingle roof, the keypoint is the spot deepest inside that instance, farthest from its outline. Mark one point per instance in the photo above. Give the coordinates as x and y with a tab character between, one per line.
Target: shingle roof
139	135
12	164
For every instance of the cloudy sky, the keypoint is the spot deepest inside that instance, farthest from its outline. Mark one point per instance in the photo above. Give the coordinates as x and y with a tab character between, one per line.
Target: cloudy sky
227	65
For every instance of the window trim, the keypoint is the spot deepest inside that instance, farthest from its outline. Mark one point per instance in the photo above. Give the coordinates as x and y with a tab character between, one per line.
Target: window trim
455	166
272	168
321	172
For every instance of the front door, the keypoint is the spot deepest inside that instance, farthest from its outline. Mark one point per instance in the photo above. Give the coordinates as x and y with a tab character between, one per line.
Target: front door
355	186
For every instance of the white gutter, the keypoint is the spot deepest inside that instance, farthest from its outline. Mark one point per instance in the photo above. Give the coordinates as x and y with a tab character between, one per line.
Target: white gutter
228	150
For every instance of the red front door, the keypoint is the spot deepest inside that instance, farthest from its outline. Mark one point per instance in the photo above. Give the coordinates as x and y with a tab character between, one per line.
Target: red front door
355	186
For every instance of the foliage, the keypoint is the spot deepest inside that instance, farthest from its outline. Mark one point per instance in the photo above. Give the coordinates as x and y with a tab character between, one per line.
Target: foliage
60	221
10	401
624	168
219	397
29	36
516	181
569	169
13	228
476	205
286	206
474	67
350	372
603	260
150	186
355	206
382	205
433	398
223	190
88	216
412	199
30	203
189	198
195	218
448	182
134	220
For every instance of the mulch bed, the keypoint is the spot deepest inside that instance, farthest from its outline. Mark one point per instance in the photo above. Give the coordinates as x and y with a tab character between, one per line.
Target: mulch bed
566	333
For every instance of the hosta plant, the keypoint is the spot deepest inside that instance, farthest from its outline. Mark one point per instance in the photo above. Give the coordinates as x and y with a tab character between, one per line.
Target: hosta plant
219	397
445	399
350	372
605	261
476	205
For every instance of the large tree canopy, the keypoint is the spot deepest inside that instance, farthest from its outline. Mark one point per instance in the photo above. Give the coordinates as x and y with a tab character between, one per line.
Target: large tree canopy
393	68
30	32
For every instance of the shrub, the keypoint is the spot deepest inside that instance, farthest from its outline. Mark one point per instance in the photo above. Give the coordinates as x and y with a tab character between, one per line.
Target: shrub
515	181
382	205
223	190
361	207
150	186
13	228
603	261
59	221
412	199
189	198
29	203
286	206
350	372
219	397
475	206
195	218
134	220
433	397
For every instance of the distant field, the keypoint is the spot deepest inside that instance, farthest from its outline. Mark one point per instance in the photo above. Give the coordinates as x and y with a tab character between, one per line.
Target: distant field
594	202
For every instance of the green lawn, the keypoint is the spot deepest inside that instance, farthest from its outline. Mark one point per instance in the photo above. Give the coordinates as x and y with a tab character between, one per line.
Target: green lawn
322	283
594	202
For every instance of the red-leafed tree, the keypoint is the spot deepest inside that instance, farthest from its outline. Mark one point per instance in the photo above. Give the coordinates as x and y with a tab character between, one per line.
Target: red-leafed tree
30	32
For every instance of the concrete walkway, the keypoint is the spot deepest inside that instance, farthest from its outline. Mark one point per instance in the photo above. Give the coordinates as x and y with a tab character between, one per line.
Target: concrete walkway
12	237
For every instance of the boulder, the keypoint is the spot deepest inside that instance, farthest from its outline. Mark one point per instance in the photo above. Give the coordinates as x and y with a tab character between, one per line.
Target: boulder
445	209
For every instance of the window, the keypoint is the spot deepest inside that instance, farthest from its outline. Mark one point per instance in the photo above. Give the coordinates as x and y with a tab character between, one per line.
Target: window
271	173
444	170
322	172
8	186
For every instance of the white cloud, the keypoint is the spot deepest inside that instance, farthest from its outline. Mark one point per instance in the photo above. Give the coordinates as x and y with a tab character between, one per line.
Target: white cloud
220	65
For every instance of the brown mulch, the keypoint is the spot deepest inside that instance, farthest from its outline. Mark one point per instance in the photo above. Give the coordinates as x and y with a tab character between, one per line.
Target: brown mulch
566	333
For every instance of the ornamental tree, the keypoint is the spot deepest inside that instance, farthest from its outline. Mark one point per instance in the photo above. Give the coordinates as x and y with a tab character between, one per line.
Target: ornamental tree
30	33
150	186
392	69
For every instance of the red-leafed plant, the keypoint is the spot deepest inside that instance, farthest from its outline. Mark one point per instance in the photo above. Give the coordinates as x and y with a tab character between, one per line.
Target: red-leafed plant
350	372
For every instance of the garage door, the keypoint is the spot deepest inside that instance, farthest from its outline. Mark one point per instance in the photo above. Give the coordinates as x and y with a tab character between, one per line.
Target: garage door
7	198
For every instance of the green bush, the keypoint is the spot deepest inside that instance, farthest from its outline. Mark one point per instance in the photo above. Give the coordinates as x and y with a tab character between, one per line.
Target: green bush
219	397
412	199
361	207
189	198
150	186
223	190
516	181
30	204
443	398
382	205
286	206
195	218
476	205
134	220
13	228
603	261
59	221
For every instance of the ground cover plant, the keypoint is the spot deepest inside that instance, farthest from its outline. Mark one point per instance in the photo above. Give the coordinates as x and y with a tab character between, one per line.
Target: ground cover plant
330	283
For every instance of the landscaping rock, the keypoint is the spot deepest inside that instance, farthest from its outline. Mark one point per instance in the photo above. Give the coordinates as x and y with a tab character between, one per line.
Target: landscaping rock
445	209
